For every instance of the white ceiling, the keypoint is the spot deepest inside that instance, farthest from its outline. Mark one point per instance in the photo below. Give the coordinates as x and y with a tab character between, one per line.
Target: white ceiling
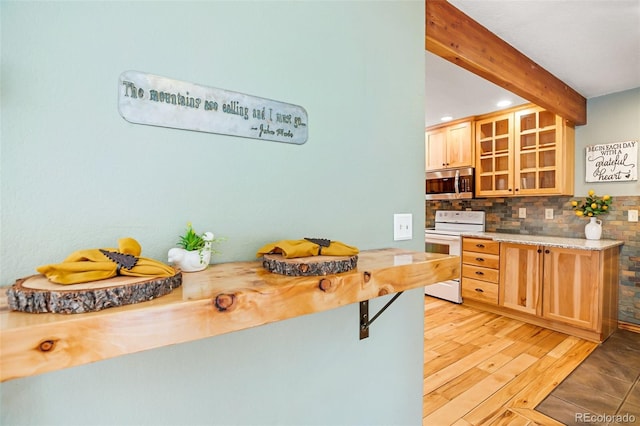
591	45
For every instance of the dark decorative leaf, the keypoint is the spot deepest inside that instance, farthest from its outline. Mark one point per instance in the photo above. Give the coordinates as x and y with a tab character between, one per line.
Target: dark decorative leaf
322	242
126	261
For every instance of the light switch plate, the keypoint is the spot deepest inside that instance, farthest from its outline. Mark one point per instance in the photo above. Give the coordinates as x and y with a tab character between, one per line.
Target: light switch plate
633	215
522	212
402	226
548	213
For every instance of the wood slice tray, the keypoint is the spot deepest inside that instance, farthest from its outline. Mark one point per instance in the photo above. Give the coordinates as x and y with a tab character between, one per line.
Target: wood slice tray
36	294
309	266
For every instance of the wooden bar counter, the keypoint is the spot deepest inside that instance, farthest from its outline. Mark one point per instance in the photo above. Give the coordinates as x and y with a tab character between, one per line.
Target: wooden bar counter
223	298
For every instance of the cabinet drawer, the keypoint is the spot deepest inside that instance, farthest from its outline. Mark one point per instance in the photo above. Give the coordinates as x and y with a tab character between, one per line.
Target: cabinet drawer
480	273
480	245
481	259
481	291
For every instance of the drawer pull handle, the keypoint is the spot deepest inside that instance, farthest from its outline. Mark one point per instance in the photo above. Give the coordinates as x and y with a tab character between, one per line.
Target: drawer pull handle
480	245
547	251
479	273
479	290
479	259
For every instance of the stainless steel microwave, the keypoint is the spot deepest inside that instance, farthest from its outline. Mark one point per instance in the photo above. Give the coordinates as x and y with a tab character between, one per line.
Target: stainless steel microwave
450	184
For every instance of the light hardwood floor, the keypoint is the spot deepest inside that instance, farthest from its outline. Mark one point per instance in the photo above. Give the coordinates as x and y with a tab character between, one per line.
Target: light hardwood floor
485	369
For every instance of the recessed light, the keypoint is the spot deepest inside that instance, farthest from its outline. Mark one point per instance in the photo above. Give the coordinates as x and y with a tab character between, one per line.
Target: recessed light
446	118
503	104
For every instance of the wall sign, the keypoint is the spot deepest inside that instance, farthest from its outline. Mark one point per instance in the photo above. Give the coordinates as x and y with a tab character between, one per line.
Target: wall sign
159	101
612	162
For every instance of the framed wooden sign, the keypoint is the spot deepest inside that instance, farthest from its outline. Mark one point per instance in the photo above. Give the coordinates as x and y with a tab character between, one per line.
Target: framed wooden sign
612	162
160	101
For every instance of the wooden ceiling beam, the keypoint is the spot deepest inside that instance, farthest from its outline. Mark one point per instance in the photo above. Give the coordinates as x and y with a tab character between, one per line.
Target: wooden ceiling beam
459	39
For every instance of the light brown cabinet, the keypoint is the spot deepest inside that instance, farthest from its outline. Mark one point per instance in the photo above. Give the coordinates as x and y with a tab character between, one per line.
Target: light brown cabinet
568	278
480	273
526	151
521	278
449	146
569	290
572	287
494	156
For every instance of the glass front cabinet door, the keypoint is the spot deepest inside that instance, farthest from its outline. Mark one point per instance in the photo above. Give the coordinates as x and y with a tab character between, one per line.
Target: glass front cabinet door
494	156
526	152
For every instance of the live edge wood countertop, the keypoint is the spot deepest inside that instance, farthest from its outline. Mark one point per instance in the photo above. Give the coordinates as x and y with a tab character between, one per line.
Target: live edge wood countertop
223	298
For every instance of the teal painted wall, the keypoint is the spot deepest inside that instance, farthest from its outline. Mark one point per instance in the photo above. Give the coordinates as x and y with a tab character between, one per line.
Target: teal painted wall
610	118
74	175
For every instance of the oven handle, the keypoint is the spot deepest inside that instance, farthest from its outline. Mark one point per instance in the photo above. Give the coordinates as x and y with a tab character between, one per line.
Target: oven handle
456	184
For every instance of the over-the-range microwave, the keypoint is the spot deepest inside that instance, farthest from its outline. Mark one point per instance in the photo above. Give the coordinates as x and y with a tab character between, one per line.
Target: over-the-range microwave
450	184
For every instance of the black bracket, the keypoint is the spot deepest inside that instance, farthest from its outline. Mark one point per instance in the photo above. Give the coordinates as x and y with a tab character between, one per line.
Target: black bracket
364	315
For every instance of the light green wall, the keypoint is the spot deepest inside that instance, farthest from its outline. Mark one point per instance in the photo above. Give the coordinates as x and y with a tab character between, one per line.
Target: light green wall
610	118
74	175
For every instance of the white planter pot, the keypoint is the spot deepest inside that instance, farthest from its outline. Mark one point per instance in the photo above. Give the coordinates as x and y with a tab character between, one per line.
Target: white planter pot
189	261
593	229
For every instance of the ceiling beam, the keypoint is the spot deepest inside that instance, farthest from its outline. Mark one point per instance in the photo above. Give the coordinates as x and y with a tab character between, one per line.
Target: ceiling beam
459	39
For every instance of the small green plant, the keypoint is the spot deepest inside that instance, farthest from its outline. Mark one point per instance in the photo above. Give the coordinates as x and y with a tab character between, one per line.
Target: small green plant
190	240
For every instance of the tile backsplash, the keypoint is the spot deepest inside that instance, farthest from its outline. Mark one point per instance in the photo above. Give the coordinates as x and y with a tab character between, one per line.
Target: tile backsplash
502	216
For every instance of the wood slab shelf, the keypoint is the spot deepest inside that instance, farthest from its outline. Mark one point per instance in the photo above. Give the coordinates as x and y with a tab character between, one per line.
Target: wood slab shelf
221	299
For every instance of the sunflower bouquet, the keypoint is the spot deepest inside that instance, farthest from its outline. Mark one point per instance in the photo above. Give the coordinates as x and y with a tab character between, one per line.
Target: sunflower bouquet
592	205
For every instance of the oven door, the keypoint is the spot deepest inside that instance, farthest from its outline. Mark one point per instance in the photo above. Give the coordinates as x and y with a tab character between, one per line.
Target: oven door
447	244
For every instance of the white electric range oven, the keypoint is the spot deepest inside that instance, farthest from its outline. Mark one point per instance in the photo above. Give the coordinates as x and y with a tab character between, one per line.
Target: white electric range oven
446	238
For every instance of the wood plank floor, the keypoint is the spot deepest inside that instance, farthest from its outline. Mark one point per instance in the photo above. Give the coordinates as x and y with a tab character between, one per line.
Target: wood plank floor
485	369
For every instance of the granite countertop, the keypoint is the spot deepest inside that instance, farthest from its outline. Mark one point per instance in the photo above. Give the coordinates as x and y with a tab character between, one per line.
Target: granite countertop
563	242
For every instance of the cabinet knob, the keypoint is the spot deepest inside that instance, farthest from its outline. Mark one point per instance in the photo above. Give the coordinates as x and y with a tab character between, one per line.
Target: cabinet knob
479	290
443	164
479	259
509	189
547	251
517	189
539	250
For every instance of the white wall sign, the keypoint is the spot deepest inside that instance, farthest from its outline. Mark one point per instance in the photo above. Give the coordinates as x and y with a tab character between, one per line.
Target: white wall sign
159	101
612	162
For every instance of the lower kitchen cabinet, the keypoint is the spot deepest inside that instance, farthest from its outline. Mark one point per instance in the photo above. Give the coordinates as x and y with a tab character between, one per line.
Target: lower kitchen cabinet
520	278
566	289
572	286
480	273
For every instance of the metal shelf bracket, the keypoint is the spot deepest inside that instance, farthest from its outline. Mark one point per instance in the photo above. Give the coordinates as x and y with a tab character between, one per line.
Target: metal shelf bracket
364	315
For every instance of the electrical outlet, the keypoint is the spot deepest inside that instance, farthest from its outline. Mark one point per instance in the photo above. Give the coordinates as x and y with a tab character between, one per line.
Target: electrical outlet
402	226
522	212
548	213
633	215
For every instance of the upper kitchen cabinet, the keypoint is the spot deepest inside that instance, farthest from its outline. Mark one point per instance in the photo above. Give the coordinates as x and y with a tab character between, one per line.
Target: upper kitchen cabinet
449	146
494	148
526	151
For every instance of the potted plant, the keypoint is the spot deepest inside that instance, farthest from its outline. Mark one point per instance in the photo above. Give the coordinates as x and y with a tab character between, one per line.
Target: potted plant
592	207
194	250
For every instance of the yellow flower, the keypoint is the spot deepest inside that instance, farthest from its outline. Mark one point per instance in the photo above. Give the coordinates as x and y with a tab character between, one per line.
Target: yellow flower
589	214
606	197
605	207
574	203
594	206
579	213
591	192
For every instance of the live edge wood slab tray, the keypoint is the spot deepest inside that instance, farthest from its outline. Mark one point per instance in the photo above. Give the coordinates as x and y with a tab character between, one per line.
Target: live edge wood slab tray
221	299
